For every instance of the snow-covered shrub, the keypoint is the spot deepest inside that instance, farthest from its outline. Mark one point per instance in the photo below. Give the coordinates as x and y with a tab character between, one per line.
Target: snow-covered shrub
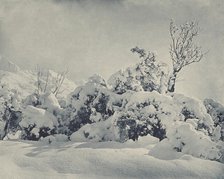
10	96
90	103
194	109
3	109
46	101
185	139
147	75
12	119
97	132
19	89
49	102
216	111
140	121
123	81
149	113
37	123
153	113
10	111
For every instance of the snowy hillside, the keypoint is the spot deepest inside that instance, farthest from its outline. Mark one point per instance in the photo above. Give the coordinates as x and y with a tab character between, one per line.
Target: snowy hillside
24	81
8	65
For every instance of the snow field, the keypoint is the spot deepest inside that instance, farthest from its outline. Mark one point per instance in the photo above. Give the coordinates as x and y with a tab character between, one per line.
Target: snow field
97	160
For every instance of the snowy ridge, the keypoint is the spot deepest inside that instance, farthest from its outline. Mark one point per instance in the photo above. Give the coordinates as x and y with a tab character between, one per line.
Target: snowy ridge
25	81
6	65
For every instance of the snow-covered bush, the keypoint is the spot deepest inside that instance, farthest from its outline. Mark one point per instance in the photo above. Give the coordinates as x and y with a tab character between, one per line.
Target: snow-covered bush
97	132
123	81
147	113
49	102
185	139
10	96
46	101
10	111
140	121
42	103
147	75
12	119
216	111
37	123
194	109
90	103
152	113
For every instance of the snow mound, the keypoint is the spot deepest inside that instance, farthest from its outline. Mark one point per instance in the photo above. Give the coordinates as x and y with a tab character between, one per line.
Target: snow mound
53	139
38	117
70	160
185	139
101	131
49	102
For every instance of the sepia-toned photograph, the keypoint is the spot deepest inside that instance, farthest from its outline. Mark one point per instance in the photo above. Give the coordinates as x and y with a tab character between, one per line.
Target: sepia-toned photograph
111	89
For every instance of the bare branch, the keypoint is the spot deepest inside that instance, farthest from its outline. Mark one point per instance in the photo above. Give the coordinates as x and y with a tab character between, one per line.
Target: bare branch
59	81
47	80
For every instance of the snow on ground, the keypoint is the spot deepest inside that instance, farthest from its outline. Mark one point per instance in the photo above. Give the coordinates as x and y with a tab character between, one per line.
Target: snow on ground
37	160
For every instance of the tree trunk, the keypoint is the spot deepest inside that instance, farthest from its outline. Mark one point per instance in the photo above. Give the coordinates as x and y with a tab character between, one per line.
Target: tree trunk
7	116
172	82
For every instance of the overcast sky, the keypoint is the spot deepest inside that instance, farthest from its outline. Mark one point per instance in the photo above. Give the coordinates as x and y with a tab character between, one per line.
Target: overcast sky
95	36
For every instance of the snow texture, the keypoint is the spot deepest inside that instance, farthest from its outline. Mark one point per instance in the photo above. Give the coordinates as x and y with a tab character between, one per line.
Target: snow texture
98	160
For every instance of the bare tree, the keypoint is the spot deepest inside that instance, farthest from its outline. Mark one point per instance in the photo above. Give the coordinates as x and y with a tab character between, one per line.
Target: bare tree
39	74
183	51
6	117
44	81
59	81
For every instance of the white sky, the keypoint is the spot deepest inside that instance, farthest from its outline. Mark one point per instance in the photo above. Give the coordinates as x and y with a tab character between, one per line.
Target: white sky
95	36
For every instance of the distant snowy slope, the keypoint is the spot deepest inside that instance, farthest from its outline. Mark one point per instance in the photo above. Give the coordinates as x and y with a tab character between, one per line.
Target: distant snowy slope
8	65
21	81
25	81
